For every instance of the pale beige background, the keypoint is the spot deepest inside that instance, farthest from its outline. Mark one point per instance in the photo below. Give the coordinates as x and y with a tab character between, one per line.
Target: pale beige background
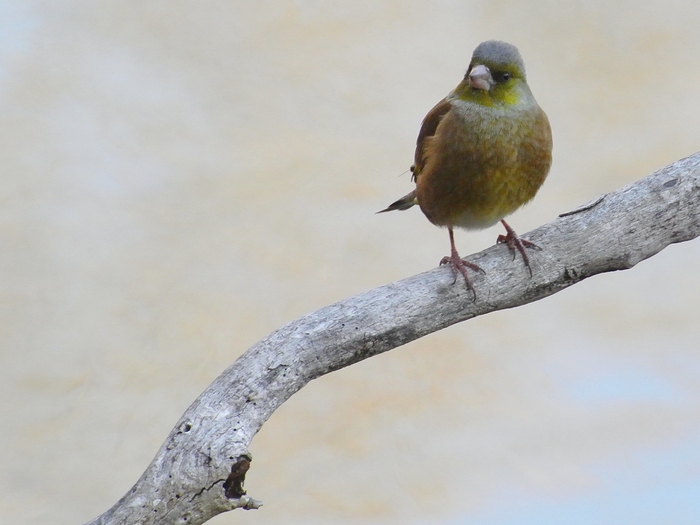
181	178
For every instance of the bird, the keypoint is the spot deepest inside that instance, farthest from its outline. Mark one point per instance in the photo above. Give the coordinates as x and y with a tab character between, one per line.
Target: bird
481	153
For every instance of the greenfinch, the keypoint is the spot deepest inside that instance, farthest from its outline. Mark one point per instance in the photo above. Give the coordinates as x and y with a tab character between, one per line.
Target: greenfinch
482	152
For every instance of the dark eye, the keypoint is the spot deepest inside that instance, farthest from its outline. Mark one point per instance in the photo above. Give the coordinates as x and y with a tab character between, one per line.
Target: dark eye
501	77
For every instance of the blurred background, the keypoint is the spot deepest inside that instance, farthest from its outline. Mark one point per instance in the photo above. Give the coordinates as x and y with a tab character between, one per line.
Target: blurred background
181	178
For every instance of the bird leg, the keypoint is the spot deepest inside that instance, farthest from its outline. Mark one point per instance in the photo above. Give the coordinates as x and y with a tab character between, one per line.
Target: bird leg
457	264
513	240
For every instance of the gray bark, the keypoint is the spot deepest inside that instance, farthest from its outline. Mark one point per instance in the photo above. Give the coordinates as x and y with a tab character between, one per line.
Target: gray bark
185	481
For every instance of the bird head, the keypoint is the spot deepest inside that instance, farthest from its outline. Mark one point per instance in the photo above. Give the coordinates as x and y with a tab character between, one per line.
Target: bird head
496	76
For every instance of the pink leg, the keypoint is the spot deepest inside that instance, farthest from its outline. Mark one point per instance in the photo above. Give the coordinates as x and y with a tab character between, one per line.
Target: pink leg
457	264
514	241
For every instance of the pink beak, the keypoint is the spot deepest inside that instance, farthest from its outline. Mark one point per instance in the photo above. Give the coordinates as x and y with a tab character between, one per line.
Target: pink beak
480	78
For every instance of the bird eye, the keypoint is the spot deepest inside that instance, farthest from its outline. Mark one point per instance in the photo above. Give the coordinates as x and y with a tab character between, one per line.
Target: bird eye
502	77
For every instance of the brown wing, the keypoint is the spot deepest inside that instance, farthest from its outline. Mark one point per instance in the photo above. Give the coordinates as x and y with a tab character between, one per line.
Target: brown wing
427	129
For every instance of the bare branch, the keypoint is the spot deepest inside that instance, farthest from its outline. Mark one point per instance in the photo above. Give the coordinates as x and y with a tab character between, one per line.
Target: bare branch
204	459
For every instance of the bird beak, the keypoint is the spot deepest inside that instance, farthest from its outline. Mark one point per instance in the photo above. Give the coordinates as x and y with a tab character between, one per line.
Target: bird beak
480	78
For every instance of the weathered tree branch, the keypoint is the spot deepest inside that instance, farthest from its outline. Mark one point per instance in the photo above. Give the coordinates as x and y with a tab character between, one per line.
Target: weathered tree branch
198	471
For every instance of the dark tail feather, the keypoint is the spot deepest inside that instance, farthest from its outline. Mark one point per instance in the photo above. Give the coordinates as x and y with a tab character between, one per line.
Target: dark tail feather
403	203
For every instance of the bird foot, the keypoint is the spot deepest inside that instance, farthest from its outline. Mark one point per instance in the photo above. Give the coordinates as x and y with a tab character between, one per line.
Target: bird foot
459	265
515	242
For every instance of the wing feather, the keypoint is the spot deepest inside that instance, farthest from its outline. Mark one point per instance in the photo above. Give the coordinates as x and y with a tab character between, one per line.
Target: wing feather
427	130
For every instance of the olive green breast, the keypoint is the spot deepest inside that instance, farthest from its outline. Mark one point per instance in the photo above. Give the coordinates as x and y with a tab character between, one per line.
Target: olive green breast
483	164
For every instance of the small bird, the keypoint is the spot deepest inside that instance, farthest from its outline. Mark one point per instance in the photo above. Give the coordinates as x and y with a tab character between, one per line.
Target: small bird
482	152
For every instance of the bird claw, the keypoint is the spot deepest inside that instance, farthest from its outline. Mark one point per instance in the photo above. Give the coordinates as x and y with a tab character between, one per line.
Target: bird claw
511	243
459	265
448	260
514	241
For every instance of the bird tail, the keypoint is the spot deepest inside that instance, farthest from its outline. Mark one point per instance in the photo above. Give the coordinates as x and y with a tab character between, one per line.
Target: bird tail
403	203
